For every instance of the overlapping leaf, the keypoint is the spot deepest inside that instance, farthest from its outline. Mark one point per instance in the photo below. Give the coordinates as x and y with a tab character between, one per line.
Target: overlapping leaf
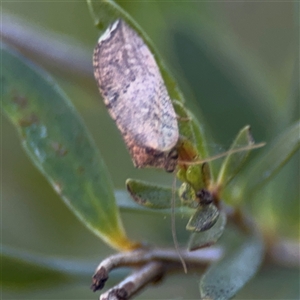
58	143
204	218
209	237
241	261
233	162
277	154
150	195
25	270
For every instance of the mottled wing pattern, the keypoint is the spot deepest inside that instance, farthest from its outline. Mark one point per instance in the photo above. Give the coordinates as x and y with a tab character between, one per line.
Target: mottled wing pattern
133	90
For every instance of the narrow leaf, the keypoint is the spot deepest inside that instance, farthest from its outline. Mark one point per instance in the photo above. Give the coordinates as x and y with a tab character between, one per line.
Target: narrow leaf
241	261
60	146
204	218
199	176
125	203
27	270
209	237
187	195
23	270
234	161
150	195
277	155
190	129
200	138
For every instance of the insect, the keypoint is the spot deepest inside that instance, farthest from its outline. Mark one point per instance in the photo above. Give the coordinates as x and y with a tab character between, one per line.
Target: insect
136	97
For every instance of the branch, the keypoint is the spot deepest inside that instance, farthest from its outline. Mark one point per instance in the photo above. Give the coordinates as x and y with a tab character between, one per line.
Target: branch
166	260
151	272
48	48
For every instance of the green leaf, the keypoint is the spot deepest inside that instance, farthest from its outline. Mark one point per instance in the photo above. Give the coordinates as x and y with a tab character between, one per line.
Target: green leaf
104	12
29	270
60	146
209	237
274	158
187	195
204	218
23	270
234	161
198	176
200	138
190	129
191	145
241	261
150	195
126	204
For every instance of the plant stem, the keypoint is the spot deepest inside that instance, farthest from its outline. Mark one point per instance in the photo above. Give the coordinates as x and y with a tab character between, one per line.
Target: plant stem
150	272
168	258
53	50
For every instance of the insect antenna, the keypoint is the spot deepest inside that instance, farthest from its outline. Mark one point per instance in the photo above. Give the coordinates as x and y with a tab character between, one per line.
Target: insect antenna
208	159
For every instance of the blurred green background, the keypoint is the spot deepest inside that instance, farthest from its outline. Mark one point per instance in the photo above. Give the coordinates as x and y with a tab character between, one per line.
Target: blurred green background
236	62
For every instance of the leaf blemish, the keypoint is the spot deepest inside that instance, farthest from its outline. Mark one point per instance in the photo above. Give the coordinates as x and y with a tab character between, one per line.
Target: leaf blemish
27	121
59	149
20	101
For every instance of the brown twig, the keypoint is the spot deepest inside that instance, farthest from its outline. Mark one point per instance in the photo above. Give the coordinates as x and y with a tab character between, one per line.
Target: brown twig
167	258
148	273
